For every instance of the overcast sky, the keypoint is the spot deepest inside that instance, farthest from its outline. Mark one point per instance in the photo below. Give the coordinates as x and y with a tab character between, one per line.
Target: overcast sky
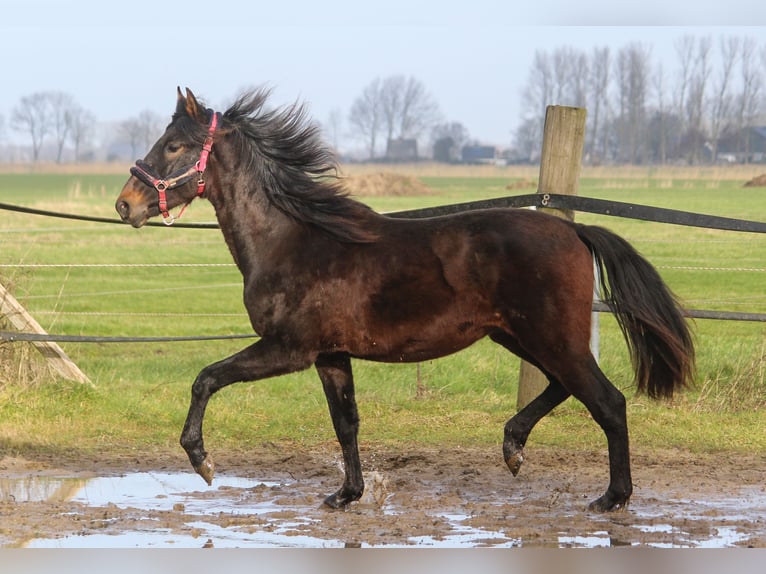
119	58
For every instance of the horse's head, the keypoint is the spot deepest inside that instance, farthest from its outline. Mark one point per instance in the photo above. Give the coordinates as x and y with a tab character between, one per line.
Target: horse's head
172	173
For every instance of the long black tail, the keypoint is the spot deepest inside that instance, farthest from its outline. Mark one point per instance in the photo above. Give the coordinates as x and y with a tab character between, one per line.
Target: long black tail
648	313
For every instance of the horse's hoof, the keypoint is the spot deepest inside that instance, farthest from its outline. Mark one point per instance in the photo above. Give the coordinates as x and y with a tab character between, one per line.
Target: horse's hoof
334	502
343	498
607	503
206	470
514	462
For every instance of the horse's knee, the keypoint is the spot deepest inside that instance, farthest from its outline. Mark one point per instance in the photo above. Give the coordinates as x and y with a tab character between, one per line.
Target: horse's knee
204	385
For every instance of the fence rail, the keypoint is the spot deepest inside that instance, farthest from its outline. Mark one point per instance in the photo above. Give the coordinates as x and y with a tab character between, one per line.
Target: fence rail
556	201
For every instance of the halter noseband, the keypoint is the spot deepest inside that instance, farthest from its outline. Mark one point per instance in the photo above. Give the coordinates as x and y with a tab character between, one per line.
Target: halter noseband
146	174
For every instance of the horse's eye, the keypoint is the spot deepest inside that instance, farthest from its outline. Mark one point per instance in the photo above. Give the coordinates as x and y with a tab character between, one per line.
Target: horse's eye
173	147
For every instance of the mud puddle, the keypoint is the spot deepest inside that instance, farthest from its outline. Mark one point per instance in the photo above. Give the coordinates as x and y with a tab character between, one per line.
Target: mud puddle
470	509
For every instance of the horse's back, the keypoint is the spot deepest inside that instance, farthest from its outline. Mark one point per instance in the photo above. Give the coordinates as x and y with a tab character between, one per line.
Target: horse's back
496	249
435	285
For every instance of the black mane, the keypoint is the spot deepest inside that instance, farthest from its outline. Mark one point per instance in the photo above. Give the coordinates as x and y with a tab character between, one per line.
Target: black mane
296	170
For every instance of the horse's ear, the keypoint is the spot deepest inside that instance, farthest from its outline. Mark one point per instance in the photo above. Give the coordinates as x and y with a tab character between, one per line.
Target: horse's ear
193	108
181	102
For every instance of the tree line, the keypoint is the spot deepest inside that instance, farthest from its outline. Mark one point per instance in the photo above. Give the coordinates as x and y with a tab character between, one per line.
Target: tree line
640	110
644	111
54	122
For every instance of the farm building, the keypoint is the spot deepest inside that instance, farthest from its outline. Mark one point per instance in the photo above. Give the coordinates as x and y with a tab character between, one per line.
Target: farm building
744	146
479	154
402	149
445	150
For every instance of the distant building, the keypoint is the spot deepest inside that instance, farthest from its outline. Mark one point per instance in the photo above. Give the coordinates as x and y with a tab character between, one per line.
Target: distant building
479	154
745	146
445	150
402	149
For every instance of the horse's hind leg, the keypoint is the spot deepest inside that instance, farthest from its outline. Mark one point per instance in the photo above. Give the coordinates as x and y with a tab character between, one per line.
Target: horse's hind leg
517	429
580	376
607	406
338	383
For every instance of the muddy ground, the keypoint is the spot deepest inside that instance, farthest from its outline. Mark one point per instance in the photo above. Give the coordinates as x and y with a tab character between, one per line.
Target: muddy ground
419	497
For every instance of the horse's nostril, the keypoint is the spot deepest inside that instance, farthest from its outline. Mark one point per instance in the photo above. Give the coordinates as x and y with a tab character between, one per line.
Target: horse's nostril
123	209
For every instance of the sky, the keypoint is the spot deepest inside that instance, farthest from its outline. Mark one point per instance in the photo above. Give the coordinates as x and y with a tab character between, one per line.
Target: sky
120	58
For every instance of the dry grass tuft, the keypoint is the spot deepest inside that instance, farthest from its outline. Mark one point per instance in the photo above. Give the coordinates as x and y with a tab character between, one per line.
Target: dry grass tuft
21	366
522	183
385	184
741	390
758	181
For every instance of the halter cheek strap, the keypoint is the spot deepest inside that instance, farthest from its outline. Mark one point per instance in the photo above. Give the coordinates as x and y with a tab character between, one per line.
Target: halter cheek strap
146	174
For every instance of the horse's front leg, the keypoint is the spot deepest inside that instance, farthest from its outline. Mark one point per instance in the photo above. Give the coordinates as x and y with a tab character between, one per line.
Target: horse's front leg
265	358
338	383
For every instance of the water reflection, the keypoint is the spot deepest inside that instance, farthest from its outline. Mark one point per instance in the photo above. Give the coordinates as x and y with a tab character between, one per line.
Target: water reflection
38	489
260	519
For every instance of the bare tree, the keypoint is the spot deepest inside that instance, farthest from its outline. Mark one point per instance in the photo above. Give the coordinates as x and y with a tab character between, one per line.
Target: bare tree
538	93
365	116
82	126
643	110
130	130
419	110
141	131
561	61
633	68
599	98
528	139
721	104
399	107
558	78
579	79
33	116
152	127
661	116
407	107
334	127
391	103
695	104
685	52
748	100
61	106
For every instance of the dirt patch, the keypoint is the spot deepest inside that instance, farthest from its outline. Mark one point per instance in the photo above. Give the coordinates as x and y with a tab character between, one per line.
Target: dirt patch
385	184
758	181
418	496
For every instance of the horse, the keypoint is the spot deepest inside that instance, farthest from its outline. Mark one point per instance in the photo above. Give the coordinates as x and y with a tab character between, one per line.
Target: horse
327	279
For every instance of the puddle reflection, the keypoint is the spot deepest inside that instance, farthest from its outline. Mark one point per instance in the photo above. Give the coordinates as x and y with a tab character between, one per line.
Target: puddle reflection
273	524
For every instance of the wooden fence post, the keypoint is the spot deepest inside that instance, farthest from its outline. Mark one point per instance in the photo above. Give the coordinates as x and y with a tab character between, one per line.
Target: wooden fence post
563	138
20	318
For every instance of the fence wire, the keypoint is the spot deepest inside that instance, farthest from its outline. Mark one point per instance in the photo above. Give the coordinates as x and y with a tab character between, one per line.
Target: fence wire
577	203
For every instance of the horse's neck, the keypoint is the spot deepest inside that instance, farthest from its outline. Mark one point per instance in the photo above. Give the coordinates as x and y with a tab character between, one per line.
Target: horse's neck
248	221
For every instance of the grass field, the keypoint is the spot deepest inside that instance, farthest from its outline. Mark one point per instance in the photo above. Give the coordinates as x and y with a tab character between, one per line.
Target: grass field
192	288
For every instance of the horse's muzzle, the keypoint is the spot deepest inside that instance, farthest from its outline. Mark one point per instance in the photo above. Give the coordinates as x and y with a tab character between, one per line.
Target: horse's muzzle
137	217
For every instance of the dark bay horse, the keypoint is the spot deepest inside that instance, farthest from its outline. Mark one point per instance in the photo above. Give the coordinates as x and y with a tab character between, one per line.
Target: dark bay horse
327	279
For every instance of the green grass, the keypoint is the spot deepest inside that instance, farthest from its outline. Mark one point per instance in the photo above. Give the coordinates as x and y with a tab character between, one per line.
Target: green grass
141	390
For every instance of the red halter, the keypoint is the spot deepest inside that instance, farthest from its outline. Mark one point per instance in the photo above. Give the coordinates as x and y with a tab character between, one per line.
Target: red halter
146	174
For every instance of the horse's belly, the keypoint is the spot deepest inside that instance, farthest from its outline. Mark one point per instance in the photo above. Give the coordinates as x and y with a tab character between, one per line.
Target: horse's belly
418	345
